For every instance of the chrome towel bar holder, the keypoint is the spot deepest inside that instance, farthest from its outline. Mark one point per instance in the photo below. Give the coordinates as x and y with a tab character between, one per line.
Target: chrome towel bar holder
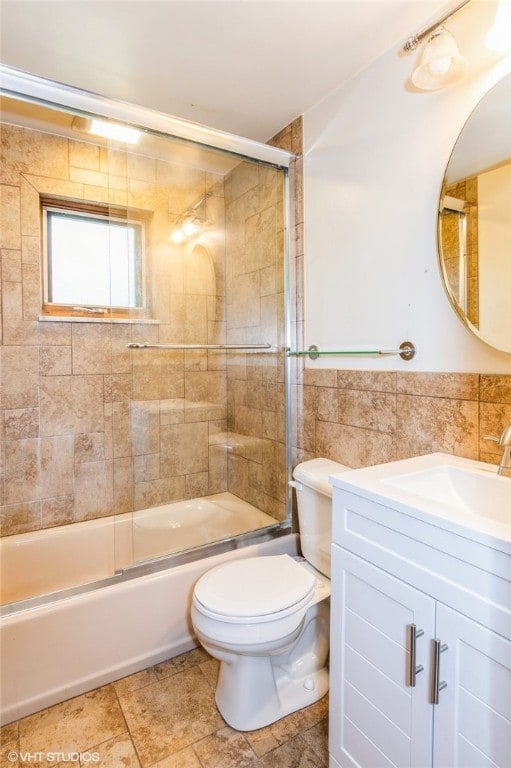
406	351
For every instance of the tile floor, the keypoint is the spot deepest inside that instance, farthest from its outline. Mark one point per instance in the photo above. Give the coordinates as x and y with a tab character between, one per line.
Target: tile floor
164	717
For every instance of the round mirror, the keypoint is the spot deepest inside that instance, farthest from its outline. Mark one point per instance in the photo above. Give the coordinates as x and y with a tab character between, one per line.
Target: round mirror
474	221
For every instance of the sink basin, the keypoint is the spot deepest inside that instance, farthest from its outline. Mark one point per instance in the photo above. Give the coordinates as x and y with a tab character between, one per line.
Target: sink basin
482	493
439	486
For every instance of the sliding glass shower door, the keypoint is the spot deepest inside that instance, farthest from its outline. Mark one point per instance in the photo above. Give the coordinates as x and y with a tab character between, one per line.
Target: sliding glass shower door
207	412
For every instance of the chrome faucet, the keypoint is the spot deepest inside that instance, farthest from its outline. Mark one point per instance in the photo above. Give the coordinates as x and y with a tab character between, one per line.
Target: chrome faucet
505	441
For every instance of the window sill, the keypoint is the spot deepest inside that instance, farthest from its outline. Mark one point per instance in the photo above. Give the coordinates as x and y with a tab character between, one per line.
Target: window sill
92	319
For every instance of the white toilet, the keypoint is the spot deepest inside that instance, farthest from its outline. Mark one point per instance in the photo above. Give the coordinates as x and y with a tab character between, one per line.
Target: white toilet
267	618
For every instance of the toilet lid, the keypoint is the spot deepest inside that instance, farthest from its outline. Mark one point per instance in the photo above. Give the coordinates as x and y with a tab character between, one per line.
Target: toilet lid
255	586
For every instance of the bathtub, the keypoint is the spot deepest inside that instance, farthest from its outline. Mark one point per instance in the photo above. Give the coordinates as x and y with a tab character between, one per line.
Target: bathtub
57	646
43	562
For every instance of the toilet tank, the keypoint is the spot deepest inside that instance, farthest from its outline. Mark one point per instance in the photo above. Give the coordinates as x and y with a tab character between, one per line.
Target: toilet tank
314	499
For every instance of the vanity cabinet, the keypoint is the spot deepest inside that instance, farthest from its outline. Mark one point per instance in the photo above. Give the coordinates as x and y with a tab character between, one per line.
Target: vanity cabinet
420	671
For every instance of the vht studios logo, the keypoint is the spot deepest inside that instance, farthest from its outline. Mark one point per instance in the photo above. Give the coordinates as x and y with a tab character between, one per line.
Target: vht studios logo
53	757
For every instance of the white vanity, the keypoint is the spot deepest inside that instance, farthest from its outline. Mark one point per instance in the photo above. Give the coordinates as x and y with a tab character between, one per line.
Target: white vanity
421	616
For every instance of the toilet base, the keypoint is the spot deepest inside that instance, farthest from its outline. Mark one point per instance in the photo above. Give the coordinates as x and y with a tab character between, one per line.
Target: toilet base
292	695
255	691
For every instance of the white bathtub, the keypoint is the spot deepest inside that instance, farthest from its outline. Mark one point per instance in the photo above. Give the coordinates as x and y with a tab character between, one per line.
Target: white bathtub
42	562
59	649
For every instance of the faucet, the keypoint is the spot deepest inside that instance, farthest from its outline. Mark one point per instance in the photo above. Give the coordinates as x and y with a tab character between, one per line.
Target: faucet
505	441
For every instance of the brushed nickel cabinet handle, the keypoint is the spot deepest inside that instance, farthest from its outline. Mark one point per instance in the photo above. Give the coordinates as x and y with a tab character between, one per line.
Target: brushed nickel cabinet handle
438	685
413	670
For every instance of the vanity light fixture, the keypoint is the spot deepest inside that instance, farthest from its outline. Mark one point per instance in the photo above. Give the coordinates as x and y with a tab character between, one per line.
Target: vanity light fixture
190	222
498	37
107	130
441	62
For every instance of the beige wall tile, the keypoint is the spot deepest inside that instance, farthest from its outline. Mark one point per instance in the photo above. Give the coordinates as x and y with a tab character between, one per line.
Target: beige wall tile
55	361
19	377
495	389
31	254
31	291
84	155
197	485
11	265
58	511
158	492
463	386
157	377
32	152
493	418
327	404
92	348
20	518
369	410
260	240
380	448
245	307
22	423
117	387
184	449
93	489
320	377
38	468
340	443
55	334
10	217
29	210
122	432
91	178
448	425
89	447
374	381
71	404
206	386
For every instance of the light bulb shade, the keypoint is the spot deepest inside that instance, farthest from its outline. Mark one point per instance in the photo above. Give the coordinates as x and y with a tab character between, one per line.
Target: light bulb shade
441	63
190	226
177	236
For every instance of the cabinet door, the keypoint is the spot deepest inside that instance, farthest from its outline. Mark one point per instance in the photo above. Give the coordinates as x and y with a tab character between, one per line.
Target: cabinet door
377	719
472	726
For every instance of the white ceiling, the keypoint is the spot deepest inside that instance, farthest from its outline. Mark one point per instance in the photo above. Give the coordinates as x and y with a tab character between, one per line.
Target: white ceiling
244	66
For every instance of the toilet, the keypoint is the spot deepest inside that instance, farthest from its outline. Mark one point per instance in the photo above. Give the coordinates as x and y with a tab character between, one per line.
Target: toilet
267	619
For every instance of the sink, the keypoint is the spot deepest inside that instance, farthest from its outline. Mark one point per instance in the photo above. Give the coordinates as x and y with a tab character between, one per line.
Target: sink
439	486
482	493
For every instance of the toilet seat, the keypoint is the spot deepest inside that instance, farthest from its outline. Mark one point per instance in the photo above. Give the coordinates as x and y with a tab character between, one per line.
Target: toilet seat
254	590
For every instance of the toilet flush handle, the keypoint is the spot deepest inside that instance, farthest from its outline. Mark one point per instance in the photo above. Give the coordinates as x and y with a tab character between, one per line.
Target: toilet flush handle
295	484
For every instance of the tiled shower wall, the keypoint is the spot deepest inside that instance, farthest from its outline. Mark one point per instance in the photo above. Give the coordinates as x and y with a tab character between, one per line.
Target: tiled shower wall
90	428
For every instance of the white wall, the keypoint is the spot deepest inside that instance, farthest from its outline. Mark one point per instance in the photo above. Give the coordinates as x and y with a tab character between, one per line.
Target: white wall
375	156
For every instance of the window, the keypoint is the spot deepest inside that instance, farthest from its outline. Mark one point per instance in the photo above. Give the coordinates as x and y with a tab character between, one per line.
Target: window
93	259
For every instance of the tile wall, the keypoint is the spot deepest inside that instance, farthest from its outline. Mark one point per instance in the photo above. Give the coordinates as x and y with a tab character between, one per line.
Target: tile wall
361	418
